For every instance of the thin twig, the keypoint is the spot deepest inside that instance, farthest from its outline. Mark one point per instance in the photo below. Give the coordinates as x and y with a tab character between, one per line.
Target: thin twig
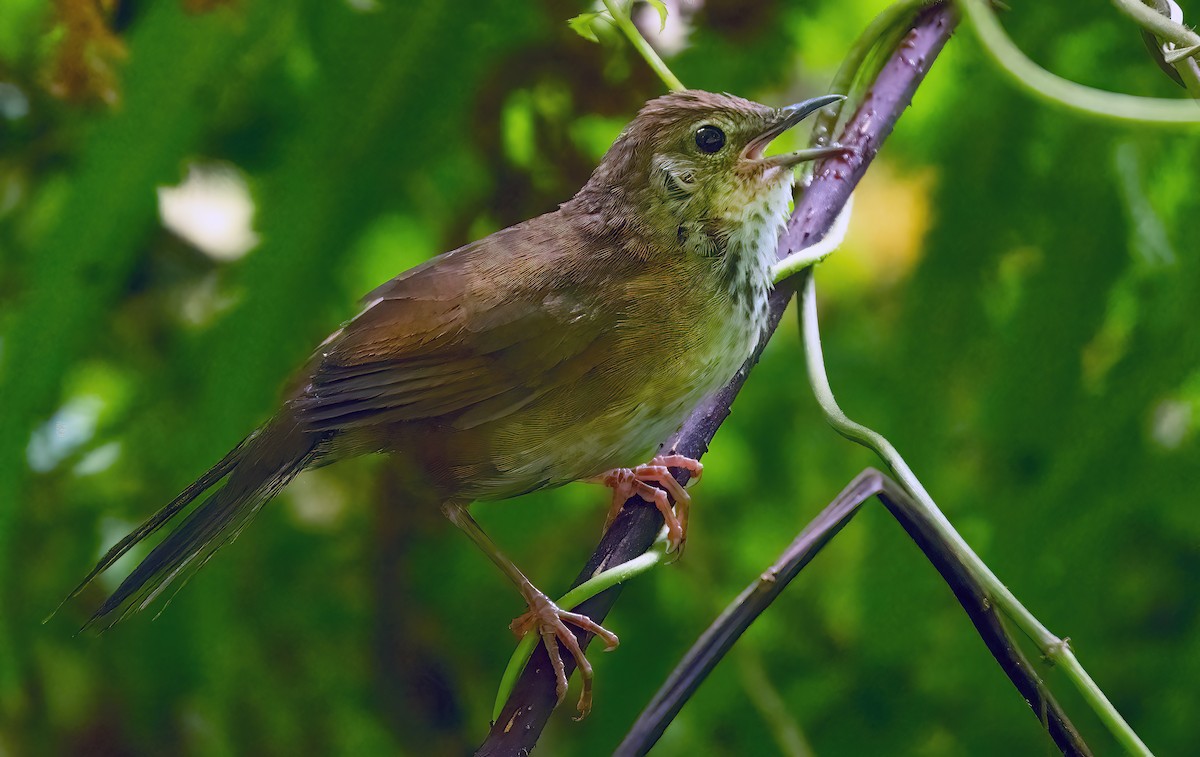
533	699
1154	21
620	16
717	640
1165	21
1056	90
1057	651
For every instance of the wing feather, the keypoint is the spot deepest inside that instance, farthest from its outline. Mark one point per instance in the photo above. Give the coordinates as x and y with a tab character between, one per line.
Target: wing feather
469	337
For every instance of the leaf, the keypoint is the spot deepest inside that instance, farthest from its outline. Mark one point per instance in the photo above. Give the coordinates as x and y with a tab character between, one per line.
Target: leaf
582	24
661	7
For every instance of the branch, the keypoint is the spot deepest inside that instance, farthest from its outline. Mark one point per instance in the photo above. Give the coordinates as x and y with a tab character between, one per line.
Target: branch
533	699
717	640
1057	651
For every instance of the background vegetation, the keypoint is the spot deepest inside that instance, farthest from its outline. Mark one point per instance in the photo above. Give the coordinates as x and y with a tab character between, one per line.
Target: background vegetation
1016	310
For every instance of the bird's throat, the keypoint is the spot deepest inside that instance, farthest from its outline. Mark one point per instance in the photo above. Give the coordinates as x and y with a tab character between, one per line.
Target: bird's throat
753	239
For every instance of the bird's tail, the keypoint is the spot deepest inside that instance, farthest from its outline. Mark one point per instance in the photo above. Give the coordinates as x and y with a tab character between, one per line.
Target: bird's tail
254	471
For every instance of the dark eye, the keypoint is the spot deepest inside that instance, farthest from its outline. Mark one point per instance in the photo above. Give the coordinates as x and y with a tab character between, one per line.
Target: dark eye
709	139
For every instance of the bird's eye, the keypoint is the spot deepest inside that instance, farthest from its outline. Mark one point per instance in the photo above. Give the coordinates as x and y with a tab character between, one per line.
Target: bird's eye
709	139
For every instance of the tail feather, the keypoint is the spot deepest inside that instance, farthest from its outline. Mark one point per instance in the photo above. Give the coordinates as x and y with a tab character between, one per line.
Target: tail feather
254	472
156	521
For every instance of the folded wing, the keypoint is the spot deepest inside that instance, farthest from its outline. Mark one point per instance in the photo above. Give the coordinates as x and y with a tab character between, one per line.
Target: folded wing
469	337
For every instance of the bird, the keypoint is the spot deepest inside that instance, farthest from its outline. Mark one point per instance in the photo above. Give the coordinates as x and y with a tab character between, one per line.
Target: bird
560	349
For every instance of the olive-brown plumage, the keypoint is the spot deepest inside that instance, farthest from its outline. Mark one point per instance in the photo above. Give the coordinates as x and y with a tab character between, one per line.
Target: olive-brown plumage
548	352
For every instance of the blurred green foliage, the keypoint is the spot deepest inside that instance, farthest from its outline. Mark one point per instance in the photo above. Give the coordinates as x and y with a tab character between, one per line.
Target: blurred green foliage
1016	310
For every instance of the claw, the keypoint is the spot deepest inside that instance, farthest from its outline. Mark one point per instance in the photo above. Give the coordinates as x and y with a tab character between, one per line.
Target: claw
550	622
626	482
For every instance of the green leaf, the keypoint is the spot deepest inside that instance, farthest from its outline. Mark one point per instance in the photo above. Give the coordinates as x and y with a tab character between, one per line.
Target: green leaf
582	24
661	7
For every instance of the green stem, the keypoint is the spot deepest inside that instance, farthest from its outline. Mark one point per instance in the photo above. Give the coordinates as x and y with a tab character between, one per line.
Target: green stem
1158	24
1058	91
621	19
574	598
813	254
765	697
1056	650
1155	21
887	21
1189	71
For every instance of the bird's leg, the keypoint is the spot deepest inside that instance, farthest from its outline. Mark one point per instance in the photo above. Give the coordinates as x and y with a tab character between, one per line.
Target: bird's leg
626	482
544	617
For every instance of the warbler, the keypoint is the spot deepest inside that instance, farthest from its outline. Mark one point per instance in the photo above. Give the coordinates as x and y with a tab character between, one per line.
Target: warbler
563	348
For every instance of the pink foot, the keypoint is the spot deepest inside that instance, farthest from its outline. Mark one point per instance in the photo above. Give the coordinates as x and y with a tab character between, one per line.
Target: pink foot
626	482
550	622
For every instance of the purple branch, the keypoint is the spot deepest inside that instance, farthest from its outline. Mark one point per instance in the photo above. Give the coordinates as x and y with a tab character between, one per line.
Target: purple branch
720	637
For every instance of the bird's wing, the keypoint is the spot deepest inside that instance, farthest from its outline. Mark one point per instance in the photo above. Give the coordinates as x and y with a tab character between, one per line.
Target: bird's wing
469	337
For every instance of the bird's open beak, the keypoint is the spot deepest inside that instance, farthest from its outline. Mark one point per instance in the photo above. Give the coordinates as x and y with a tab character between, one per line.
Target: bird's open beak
787	118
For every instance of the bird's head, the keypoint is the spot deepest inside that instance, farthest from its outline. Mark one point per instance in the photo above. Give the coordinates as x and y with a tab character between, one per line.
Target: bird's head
696	154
